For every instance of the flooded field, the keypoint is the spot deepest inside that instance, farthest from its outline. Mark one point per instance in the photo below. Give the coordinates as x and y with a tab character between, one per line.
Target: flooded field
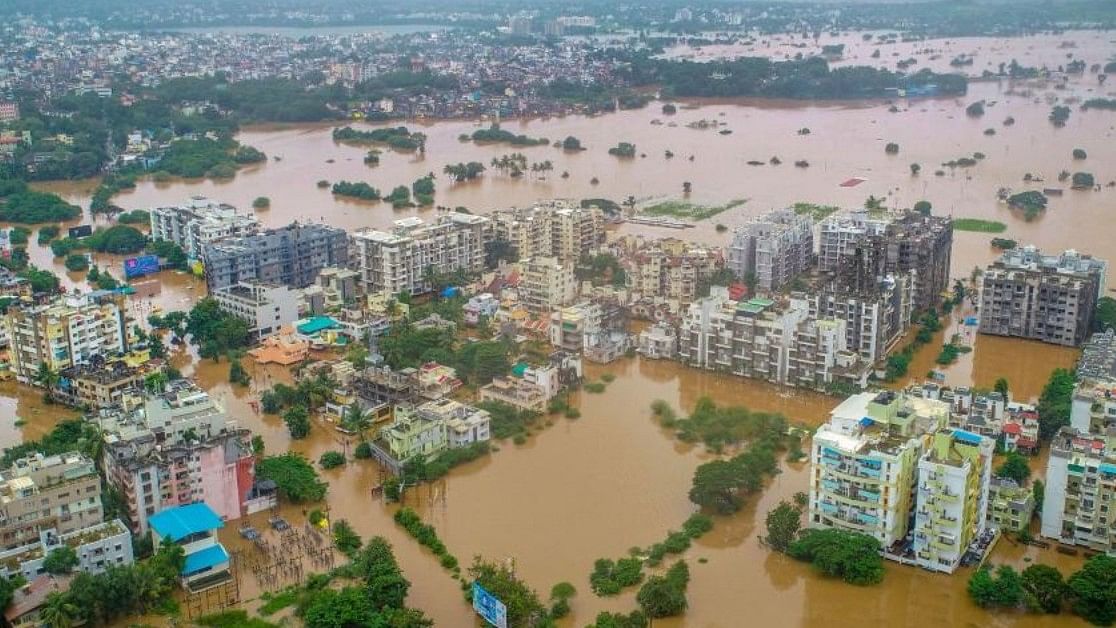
591	488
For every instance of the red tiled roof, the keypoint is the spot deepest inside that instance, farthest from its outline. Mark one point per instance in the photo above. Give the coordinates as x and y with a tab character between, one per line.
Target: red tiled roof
35	594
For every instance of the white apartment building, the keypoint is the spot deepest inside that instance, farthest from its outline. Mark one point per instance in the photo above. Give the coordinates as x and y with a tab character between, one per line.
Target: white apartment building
658	342
760	339
775	248
402	260
1077	505
97	547
199	221
547	284
265	307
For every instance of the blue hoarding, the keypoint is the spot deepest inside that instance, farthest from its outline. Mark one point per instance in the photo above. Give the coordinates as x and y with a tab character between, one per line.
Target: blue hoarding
140	266
487	606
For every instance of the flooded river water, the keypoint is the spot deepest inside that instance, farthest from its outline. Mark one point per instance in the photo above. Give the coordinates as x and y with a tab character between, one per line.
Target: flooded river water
590	488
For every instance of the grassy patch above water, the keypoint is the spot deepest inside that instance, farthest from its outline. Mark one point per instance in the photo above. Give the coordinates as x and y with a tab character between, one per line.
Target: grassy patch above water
815	211
278	601
684	209
976	224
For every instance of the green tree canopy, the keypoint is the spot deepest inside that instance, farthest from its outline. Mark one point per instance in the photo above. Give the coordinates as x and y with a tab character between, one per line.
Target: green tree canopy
1093	590
783	523
1002	589
1045	587
60	560
294	476
1015	467
836	553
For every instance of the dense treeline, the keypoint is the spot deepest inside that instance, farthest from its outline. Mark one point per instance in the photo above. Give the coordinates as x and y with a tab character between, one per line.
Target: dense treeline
810	78
496	135
399	138
33	207
356	189
260	100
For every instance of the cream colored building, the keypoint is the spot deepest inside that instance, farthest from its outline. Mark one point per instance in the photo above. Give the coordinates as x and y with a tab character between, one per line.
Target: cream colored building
547	284
402	260
68	331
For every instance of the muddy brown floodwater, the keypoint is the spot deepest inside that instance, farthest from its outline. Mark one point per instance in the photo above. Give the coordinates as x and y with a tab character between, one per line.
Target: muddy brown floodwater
590	488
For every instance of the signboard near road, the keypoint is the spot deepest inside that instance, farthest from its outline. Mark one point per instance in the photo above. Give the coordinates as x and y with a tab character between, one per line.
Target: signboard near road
140	266
487	606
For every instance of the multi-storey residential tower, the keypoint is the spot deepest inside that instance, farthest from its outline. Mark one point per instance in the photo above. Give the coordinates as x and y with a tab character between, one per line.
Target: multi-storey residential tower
1044	297
40	493
860	248
547	284
864	463
558	228
954	475
290	256
68	331
775	248
265	307
405	259
200	221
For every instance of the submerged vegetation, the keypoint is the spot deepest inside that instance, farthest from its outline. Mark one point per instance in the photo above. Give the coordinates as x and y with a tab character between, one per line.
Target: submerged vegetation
979	225
692	211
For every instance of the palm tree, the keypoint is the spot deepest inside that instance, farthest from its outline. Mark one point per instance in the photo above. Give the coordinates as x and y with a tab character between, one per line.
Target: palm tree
47	378
686	187
356	419
58	611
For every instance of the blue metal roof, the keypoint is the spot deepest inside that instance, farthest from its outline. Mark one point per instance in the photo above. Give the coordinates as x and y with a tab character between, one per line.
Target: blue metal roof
967	437
181	521
317	324
866	421
205	559
1108	468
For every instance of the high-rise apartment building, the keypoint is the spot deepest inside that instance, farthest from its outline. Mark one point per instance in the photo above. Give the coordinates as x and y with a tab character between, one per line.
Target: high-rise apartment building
860	248
265	307
40	493
774	248
1079	500
865	463
547	284
68	331
954	476
290	256
760	339
557	228
876	317
405	259
200	221
47	502
1043	297
669	268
